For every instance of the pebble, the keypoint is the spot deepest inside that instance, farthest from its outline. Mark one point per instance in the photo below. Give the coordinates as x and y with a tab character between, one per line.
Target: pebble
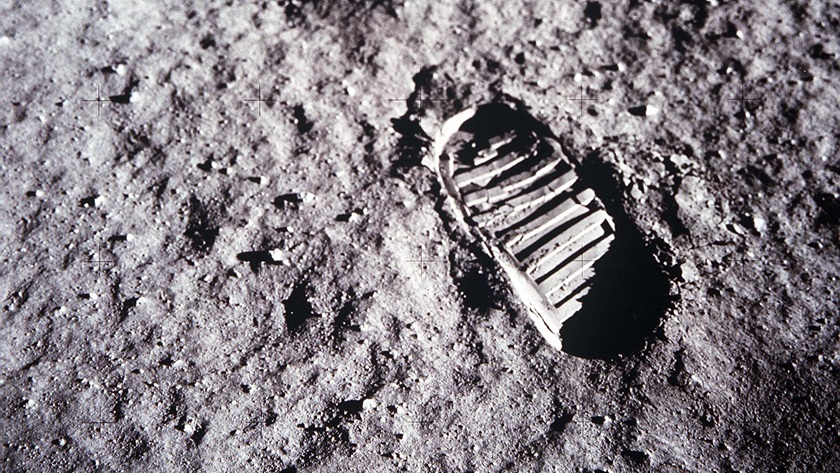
636	192
279	256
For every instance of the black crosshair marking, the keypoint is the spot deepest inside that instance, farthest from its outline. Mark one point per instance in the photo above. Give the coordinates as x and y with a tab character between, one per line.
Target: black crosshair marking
98	101
581	99
266	420
582	261
743	99
98	262
419	422
100	422
259	100
423	261
745	258
420	98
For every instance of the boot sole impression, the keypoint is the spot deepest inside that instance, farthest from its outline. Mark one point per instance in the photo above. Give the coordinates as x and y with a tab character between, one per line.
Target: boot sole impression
516	191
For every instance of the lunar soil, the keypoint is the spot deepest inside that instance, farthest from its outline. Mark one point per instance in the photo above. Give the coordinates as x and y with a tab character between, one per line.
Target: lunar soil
222	248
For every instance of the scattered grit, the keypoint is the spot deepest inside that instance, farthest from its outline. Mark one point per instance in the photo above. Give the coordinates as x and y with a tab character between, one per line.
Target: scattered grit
220	250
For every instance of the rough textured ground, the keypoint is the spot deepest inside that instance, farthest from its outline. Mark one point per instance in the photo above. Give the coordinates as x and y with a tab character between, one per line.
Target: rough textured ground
259	307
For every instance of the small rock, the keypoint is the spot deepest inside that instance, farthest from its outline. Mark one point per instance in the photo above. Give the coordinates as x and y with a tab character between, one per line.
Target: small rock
816	244
689	272
736	229
636	192
644	111
290	200
602	420
94	200
352	217
680	161
369	404
261	180
279	256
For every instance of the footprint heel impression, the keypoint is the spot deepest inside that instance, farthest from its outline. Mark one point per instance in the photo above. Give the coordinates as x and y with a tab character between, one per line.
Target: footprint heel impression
515	190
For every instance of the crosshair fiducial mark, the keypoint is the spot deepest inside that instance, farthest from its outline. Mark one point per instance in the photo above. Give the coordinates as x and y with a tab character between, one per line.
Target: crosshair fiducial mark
420	98
99	422
749	258
743	100
418	422
583	263
265	420
98	262
99	101
260	100
416	418
581	99
424	262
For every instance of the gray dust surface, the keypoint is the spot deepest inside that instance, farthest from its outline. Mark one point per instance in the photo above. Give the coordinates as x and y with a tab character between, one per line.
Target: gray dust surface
213	216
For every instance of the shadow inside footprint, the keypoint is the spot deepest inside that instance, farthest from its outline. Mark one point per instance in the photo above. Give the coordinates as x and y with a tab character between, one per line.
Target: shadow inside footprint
630	294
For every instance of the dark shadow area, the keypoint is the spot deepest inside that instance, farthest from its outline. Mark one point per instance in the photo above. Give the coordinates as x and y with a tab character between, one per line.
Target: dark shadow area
202	228
255	259
630	292
496	119
298	309
474	284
